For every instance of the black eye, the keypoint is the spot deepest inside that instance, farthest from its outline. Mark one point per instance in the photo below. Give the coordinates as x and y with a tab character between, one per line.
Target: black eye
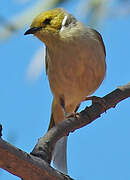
47	21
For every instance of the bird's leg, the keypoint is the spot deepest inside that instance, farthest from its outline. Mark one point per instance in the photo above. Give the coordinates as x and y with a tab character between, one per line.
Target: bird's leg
62	103
77	107
66	114
96	99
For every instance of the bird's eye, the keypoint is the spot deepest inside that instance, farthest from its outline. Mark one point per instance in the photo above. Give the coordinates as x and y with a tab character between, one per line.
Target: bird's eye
47	21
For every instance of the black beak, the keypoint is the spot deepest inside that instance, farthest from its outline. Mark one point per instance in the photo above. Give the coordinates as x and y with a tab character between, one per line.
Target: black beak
32	30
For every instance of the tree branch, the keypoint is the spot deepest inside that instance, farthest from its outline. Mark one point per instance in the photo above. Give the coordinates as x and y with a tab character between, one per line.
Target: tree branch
26	166
29	167
46	144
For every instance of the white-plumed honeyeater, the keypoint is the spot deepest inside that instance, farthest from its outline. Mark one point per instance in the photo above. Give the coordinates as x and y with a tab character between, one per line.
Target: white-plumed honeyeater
75	65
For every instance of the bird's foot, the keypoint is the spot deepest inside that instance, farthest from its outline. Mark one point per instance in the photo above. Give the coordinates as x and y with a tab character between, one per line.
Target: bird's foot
96	99
66	114
73	114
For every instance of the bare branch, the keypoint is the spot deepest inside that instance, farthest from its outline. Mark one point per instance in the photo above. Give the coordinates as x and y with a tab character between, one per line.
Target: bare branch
29	167
46	144
26	166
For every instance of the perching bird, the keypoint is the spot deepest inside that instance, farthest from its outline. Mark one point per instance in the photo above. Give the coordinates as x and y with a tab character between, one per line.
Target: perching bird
75	65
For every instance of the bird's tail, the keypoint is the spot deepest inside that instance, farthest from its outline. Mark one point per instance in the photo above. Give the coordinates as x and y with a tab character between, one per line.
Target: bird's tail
59	157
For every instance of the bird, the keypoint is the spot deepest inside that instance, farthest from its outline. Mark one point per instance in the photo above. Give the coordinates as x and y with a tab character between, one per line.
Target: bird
75	65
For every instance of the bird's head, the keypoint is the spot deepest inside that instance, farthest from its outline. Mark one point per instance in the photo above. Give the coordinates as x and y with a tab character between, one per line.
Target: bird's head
48	25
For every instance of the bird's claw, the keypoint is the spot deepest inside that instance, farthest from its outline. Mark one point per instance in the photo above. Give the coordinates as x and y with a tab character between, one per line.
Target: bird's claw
73	114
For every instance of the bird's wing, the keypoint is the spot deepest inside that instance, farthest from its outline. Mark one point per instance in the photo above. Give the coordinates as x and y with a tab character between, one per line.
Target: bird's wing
98	35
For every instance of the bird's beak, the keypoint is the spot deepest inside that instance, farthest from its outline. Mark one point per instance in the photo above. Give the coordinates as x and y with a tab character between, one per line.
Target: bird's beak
32	30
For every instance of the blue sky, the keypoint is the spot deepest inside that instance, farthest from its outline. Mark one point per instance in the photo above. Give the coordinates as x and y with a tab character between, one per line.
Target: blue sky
98	151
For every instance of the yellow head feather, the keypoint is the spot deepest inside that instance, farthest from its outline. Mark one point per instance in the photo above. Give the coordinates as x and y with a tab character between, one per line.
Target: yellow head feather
54	18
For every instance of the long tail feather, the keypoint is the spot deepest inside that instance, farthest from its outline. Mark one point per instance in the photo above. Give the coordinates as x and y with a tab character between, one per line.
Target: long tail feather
60	155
